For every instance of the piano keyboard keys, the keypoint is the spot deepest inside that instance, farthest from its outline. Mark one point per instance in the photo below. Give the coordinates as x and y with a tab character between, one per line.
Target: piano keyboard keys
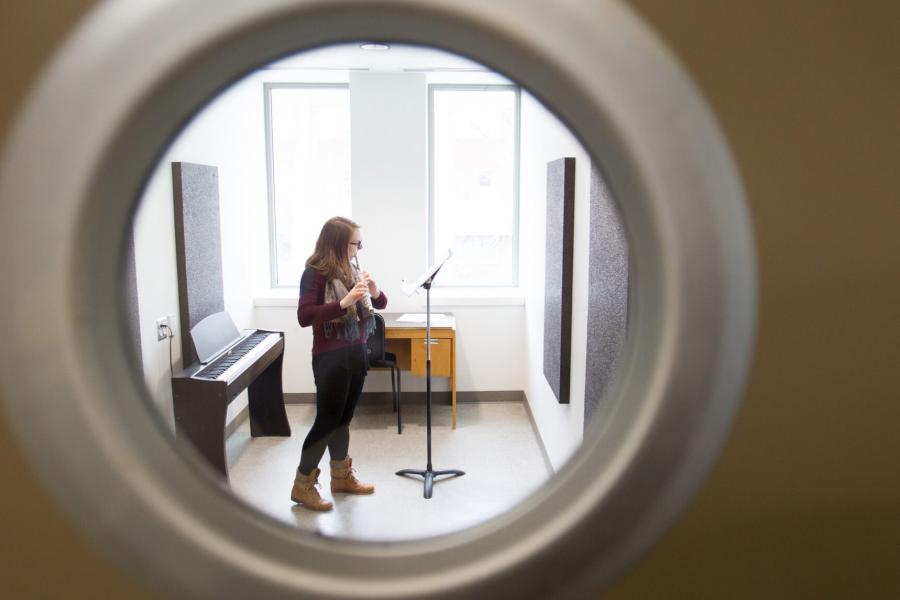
220	366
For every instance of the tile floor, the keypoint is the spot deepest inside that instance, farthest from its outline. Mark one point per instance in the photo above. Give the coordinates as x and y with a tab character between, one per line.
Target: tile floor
494	443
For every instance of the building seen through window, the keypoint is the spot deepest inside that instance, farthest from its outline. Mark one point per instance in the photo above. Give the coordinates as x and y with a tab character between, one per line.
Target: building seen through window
473	171
308	133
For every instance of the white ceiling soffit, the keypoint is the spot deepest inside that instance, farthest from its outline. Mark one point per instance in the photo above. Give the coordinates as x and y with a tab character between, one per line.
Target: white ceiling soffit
399	58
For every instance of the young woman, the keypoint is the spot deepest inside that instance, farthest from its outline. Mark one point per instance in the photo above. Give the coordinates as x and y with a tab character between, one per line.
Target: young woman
337	300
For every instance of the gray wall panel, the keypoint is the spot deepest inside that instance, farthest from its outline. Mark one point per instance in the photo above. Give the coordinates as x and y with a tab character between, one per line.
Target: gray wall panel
558	275
198	247
607	295
131	308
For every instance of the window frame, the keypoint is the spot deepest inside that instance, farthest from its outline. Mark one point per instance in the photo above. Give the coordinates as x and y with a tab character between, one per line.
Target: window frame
517	126
268	86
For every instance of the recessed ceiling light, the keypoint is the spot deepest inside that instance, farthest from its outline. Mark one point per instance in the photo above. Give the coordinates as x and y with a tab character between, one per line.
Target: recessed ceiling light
374	46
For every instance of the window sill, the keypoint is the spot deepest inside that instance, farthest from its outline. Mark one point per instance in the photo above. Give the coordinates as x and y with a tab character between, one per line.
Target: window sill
276	298
287	298
474	297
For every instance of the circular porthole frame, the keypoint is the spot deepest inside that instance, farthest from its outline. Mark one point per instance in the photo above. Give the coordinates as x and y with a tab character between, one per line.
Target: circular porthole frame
74	165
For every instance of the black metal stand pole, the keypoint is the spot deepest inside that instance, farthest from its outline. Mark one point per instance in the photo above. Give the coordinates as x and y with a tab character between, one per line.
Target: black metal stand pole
428	474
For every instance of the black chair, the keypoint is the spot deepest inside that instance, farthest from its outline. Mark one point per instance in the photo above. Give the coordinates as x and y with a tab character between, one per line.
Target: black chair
379	359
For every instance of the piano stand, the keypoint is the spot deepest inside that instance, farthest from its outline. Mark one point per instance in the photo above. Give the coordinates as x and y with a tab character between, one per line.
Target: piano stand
200	406
266	400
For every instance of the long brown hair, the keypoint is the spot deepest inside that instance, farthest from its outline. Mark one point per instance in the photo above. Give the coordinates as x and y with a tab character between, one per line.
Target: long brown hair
330	258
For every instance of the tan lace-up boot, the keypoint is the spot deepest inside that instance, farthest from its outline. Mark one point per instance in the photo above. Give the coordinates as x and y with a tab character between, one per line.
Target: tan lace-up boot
305	491
344	480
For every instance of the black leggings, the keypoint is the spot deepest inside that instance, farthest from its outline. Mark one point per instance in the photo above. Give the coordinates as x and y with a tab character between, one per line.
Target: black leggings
339	376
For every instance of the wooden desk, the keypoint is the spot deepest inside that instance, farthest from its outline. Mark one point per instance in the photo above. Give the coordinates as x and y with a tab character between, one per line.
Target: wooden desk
407	341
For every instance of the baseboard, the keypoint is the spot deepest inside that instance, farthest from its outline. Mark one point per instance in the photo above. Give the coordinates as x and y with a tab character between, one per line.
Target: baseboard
419	397
300	398
492	396
537	434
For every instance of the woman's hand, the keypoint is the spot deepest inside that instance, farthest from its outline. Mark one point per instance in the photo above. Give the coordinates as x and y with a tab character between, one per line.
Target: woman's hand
373	287
356	293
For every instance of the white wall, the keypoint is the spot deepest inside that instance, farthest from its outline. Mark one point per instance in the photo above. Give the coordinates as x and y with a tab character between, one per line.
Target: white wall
390	186
545	139
500	341
389	128
230	135
390	176
157	289
390	192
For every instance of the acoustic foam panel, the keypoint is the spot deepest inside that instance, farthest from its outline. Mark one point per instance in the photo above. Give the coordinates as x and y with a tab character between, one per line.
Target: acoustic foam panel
130	300
198	248
558	276
607	295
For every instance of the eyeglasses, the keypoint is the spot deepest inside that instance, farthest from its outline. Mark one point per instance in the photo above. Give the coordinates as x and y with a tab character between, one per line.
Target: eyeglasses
357	244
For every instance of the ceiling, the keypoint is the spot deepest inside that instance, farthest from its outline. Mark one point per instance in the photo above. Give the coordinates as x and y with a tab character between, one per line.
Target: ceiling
399	57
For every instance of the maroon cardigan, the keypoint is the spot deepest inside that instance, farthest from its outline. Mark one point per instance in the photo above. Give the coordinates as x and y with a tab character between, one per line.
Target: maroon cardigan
313	310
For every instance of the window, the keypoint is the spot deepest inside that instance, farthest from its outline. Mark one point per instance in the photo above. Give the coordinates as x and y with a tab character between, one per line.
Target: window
308	159
473	164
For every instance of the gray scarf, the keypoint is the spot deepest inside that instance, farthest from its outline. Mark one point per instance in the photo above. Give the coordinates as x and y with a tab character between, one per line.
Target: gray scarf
347	326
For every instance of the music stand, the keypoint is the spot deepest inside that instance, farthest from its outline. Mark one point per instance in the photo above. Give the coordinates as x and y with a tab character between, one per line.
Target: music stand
428	474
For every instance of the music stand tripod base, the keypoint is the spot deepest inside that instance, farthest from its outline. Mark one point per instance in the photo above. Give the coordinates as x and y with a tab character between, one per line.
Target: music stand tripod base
429	474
